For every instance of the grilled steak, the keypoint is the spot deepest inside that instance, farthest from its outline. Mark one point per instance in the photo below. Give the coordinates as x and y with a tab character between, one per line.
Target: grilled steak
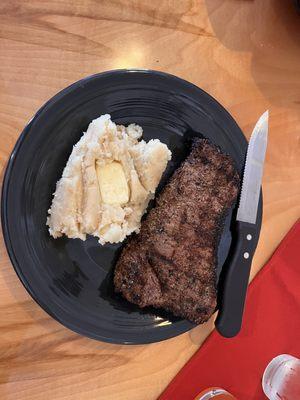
171	263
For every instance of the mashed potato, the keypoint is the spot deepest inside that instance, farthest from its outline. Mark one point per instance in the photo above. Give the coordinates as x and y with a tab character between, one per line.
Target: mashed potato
107	183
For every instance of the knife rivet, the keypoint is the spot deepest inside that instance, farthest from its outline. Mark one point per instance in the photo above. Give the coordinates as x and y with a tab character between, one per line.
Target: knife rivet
246	255
249	237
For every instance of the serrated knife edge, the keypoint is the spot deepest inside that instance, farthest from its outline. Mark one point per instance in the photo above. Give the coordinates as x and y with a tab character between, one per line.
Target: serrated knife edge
253	171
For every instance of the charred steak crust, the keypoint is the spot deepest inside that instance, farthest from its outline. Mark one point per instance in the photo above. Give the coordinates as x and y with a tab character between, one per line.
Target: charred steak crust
171	263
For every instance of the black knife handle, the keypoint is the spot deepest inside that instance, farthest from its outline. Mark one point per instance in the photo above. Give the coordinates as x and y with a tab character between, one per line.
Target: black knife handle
235	281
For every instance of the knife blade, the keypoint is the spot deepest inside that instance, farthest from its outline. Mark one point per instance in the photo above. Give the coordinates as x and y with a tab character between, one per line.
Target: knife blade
235	281
253	171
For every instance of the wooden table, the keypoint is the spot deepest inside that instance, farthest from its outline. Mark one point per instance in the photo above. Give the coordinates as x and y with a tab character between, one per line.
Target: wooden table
245	53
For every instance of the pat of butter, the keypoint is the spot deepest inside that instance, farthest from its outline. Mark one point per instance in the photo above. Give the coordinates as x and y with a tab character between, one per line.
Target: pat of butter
112	183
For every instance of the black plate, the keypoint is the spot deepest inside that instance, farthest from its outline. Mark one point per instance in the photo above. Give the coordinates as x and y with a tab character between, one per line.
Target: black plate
72	279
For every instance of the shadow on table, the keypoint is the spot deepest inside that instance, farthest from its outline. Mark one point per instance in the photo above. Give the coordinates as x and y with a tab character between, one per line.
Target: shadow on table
270	31
199	334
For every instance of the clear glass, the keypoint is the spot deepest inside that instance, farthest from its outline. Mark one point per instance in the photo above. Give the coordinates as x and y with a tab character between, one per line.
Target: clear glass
281	379
214	393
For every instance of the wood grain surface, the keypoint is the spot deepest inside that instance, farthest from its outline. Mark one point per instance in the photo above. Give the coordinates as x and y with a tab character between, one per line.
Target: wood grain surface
244	53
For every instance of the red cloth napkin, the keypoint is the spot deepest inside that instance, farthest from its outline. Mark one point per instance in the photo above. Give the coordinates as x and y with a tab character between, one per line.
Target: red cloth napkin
271	326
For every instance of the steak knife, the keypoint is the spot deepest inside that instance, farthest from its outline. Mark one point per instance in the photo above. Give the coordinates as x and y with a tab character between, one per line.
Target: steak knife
234	285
